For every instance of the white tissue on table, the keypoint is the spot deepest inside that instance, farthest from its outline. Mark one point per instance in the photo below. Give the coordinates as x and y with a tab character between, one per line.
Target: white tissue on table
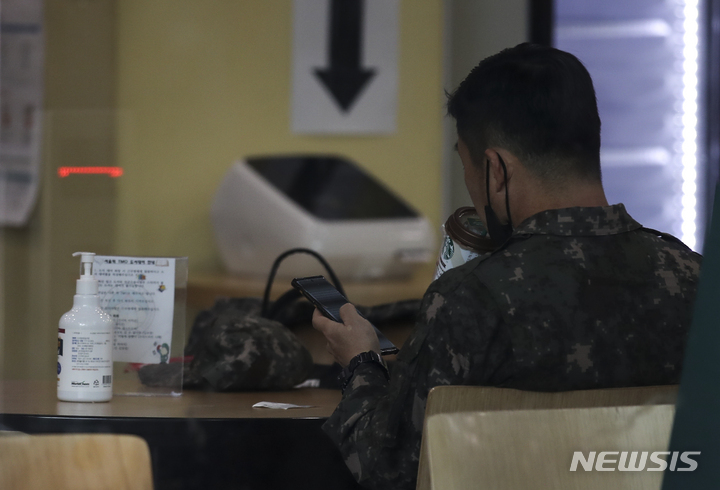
282	406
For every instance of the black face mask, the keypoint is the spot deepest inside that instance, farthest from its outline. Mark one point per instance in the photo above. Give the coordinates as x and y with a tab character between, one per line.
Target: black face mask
499	233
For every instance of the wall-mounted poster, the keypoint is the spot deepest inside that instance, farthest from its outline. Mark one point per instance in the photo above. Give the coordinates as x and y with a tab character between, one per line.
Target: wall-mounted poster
21	98
345	73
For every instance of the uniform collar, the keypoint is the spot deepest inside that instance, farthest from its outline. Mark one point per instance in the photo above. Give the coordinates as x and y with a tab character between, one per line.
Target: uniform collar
579	221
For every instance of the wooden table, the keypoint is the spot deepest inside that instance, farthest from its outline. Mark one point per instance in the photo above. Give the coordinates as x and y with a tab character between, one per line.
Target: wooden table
200	439
39	398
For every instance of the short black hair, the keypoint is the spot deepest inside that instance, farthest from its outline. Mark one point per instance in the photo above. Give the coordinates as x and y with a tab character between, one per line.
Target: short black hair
539	103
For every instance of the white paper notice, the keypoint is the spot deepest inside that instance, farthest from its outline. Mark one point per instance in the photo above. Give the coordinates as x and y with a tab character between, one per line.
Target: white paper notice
345	66
21	78
138	292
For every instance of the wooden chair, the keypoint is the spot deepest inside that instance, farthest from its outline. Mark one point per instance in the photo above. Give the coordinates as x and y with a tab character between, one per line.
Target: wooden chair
75	461
534	449
450	399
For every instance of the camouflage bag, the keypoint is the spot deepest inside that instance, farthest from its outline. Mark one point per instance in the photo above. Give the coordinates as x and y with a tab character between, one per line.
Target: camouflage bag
234	348
240	345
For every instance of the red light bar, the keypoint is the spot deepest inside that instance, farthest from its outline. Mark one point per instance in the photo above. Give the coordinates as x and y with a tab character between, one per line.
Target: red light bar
111	171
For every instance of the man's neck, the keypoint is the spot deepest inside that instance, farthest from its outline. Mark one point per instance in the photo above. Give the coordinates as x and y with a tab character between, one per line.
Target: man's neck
578	194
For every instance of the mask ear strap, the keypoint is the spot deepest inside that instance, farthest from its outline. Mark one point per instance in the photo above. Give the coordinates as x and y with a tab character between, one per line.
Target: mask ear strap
487	182
507	191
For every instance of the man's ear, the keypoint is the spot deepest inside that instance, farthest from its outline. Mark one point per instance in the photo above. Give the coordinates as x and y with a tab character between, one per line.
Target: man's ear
497	173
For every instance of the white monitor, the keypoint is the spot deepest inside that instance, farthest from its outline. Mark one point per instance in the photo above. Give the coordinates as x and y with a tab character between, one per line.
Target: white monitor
267	205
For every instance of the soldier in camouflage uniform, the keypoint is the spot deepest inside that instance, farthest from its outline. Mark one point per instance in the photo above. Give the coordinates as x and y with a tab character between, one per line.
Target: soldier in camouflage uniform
578	295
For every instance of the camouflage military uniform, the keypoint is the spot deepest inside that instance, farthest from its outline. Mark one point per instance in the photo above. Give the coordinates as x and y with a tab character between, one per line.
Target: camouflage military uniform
578	298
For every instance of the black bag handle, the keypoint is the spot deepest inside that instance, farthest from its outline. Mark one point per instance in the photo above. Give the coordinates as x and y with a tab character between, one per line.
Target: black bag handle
290	295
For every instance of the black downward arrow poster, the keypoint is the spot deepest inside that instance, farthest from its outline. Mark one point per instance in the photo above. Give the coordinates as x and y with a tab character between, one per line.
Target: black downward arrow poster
344	77
345	70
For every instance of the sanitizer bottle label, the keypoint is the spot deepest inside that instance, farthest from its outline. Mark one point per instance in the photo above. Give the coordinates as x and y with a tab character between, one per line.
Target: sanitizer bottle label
84	360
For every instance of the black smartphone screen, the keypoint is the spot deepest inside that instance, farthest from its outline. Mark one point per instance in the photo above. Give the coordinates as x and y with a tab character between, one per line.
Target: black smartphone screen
328	300
322	294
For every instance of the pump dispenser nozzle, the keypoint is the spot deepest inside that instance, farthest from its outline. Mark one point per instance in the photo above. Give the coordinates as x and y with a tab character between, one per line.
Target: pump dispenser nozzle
87	284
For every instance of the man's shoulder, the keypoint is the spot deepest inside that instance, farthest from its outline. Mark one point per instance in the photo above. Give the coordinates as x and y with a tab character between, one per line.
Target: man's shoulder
460	288
457	279
480	273
668	253
535	260
538	258
667	242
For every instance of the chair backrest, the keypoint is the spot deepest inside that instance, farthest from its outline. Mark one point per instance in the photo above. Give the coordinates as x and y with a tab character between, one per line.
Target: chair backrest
75	461
559	449
450	399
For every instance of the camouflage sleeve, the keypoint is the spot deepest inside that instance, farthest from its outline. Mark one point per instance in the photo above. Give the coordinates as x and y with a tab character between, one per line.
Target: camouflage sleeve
352	426
378	424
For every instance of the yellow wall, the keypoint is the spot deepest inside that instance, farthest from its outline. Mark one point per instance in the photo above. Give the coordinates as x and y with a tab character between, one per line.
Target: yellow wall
174	91
202	83
38	272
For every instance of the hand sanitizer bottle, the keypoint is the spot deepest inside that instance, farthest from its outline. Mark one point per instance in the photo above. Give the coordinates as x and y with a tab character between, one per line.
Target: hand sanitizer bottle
85	343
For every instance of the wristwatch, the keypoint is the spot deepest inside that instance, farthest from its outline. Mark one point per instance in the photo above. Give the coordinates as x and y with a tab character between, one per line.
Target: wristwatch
363	357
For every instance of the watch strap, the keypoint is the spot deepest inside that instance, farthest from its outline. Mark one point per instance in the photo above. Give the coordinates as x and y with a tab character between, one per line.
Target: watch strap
362	358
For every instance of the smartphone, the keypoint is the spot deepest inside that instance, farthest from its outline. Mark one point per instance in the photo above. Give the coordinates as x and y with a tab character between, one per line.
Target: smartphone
328	300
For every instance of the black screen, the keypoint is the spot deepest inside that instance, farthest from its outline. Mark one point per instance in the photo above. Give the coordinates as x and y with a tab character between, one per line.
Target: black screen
324	293
324	296
330	188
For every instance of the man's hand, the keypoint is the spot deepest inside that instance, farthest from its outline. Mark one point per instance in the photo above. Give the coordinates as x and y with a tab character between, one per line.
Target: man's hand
347	339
